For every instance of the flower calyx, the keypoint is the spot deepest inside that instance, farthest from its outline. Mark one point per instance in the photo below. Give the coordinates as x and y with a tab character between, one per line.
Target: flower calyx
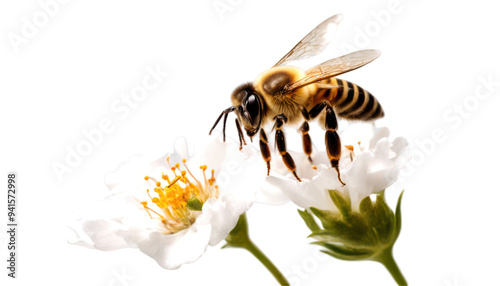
365	234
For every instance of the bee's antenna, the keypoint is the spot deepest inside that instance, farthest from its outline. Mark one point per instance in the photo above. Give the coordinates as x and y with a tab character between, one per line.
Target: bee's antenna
225	113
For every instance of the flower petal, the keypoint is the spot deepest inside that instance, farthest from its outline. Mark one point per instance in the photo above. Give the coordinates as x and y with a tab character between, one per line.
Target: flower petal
173	250
271	195
103	234
128	174
304	194
221	216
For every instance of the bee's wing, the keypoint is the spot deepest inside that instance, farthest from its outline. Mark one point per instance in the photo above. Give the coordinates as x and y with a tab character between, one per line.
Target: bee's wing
333	68
314	42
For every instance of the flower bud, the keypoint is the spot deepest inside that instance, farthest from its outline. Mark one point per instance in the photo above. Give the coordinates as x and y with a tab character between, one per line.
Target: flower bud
365	234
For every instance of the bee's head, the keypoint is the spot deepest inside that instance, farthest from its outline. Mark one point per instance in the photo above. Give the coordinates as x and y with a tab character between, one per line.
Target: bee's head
249	107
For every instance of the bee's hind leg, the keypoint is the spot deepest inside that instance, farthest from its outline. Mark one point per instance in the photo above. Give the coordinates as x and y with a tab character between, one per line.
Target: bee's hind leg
332	139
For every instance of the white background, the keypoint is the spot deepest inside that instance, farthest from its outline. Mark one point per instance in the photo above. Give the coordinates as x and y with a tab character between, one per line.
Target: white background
65	78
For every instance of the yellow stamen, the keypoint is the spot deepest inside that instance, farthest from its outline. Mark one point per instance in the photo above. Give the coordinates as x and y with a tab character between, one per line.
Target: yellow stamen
165	177
212	179
175	181
145	205
204	168
172	198
192	176
147	178
351	151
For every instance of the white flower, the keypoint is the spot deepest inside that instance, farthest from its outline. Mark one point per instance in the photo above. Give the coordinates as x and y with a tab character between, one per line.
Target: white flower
365	169
159	221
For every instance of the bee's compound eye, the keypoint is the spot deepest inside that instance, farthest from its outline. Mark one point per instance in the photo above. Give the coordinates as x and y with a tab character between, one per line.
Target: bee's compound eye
252	106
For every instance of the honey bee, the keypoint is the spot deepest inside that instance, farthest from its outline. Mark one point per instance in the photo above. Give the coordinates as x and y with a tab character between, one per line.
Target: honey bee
287	95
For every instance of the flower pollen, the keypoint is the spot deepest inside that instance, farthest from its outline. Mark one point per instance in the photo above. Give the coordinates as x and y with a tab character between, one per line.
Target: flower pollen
171	199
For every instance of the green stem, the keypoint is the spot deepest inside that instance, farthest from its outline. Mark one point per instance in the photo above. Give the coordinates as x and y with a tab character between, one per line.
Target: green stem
388	261
239	238
252	248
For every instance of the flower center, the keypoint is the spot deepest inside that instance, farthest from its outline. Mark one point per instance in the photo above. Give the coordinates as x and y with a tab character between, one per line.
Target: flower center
174	197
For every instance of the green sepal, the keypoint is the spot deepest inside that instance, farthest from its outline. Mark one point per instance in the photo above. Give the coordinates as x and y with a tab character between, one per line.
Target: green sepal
383	221
399	222
346	253
309	220
341	202
328	218
324	235
366	207
338	256
381	194
352	230
194	204
382	210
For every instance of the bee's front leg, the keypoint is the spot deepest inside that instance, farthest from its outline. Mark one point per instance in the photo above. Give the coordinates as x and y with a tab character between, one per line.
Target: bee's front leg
240	134
264	150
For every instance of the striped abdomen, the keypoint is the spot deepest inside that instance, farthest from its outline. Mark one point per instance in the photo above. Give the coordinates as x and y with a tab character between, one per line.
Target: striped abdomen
349	100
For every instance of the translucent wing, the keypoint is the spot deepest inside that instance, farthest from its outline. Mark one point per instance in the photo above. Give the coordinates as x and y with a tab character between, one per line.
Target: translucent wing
314	42
333	68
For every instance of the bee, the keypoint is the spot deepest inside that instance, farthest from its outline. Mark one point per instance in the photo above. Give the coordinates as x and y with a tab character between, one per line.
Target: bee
289	95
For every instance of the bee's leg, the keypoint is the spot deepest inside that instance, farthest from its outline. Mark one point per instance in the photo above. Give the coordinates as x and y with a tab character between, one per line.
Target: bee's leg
332	139
264	150
281	143
240	133
224	127
306	139
224	113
